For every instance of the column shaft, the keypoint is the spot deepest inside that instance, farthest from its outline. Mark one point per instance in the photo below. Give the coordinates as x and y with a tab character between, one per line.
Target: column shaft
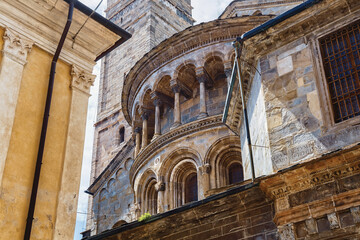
203	111
177	111
157	121
137	141
145	132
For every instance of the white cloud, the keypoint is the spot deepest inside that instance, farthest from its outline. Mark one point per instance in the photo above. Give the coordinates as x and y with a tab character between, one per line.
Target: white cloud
204	11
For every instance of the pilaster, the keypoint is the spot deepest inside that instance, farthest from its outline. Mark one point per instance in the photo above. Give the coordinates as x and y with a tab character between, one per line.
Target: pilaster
70	181
15	53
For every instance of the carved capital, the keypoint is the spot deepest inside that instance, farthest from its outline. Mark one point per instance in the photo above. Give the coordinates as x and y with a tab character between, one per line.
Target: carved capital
16	47
202	76
81	80
145	115
160	186
205	169
137	130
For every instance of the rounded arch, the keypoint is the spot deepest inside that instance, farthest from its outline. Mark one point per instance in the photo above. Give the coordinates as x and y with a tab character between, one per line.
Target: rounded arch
145	97
146	194
213	54
176	156
214	66
221	156
162	85
230	56
188	62
128	163
110	183
174	170
119	172
179	184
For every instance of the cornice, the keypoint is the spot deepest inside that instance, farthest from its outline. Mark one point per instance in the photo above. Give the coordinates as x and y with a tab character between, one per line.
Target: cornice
42	21
172	135
180	44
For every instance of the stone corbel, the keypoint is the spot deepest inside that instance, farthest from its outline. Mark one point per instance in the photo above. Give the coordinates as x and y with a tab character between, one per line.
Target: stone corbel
15	47
81	80
160	186
205	169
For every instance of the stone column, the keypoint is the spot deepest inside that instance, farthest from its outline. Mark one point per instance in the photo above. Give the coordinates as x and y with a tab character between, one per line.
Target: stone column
160	188
201	77
15	52
145	118
205	177
177	110
137	140
228	67
70	179
157	132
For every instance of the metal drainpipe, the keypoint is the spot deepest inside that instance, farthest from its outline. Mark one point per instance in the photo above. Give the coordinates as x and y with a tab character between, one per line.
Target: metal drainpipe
39	159
238	45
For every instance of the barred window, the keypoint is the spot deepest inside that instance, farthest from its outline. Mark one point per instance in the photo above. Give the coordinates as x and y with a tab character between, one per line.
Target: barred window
340	52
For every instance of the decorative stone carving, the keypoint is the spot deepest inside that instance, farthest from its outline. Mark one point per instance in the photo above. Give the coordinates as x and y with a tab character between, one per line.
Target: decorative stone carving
282	203
355	212
311	226
286	232
16	47
81	80
334	222
205	169
160	186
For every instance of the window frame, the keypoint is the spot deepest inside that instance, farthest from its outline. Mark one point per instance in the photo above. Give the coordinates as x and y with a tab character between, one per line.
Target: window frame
326	108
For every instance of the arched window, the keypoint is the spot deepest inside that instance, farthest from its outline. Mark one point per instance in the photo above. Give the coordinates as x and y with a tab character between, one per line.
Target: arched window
235	173
122	135
191	189
151	197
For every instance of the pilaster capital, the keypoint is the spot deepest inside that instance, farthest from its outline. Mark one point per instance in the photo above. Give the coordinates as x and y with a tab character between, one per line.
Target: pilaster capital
16	47
81	79
160	186
205	168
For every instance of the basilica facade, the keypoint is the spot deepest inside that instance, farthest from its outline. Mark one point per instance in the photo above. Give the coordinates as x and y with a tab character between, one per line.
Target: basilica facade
174	143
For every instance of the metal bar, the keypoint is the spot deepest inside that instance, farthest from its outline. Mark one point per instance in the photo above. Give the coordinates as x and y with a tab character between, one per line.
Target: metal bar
238	49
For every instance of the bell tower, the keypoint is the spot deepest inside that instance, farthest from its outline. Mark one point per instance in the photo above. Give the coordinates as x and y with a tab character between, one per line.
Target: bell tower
150	22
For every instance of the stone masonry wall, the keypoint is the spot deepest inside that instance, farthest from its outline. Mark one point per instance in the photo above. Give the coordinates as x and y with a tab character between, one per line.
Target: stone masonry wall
228	218
294	111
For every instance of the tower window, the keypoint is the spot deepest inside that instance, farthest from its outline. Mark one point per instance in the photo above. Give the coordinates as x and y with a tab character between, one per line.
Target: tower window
340	54
191	190
122	135
235	173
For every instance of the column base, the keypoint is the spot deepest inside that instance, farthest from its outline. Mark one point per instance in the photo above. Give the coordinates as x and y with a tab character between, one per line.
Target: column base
175	125
202	115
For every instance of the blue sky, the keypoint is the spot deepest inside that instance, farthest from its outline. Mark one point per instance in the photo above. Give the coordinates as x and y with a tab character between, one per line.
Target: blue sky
204	10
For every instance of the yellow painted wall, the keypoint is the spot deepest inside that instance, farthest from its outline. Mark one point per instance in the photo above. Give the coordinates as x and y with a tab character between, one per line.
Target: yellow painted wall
22	154
1	41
